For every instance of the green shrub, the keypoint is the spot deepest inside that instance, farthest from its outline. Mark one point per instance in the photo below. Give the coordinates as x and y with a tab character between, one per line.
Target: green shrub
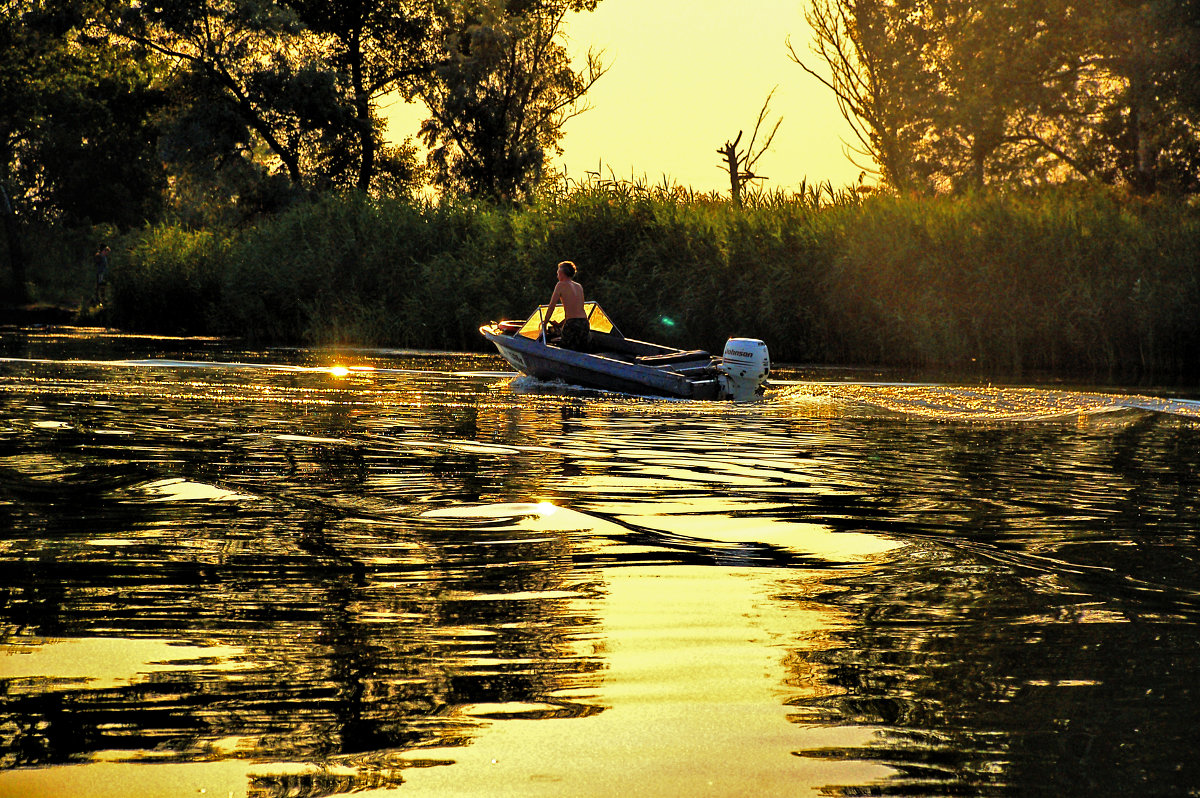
1063	279
168	281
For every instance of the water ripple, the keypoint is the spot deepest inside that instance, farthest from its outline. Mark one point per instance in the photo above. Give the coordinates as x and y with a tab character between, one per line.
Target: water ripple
350	570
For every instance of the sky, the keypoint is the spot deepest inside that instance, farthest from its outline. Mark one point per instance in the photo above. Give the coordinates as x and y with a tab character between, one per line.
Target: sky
684	77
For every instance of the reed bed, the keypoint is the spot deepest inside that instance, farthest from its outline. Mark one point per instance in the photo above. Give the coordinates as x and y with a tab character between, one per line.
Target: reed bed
1067	279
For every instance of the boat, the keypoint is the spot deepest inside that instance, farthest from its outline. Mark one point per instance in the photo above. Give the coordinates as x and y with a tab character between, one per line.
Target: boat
613	362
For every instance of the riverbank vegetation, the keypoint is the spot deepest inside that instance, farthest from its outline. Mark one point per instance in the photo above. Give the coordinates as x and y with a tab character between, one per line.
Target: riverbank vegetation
1034	213
1064	279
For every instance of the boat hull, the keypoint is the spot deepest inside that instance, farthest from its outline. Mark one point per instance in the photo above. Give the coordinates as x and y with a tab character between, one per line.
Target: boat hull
546	362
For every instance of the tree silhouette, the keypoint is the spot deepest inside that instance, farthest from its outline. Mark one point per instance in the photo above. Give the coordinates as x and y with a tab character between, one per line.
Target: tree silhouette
499	100
938	102
740	163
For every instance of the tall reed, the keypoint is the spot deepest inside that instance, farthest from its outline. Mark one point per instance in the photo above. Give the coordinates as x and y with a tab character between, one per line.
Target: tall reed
1060	279
168	280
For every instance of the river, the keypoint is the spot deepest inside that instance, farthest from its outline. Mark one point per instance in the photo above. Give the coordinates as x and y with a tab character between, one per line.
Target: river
289	572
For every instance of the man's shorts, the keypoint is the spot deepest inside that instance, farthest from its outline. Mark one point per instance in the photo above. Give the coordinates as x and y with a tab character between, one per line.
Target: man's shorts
576	334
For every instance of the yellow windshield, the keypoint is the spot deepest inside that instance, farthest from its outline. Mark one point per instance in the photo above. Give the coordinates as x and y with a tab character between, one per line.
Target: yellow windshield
597	319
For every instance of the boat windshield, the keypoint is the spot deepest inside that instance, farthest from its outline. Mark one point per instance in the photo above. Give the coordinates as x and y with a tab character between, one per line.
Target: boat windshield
597	319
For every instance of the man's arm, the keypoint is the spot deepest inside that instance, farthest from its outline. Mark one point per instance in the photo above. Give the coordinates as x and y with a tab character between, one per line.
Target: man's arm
551	304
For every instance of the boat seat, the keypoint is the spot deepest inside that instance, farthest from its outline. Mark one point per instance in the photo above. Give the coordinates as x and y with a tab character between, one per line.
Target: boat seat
557	343
673	357
621	356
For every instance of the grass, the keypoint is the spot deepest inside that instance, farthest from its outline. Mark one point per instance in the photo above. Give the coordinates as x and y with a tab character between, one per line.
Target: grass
1067	279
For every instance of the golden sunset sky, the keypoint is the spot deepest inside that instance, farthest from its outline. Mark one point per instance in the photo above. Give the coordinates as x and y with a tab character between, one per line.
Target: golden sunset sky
685	76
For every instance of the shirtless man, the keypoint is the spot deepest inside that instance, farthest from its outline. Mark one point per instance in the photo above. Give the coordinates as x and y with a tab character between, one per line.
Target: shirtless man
575	331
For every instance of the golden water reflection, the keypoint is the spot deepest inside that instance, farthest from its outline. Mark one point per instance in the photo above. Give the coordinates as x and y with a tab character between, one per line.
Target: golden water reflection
102	662
419	578
670	704
680	704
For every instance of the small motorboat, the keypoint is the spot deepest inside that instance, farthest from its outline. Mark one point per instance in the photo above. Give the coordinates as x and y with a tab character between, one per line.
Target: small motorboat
615	363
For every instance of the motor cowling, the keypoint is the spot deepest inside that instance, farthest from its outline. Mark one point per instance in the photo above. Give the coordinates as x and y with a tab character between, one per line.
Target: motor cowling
743	369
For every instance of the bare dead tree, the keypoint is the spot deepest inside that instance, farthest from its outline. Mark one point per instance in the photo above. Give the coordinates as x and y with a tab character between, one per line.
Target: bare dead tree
740	163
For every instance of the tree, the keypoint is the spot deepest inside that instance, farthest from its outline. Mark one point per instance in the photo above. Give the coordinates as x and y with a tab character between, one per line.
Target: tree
77	124
938	101
19	60
77	131
500	98
1150	53
263	76
377	46
740	163
994	118
933	93
869	79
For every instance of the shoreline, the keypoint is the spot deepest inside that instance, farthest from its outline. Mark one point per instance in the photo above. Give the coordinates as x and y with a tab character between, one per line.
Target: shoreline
37	314
41	318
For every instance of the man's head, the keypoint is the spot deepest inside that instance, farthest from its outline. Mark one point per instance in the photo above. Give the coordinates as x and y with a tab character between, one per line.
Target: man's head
567	269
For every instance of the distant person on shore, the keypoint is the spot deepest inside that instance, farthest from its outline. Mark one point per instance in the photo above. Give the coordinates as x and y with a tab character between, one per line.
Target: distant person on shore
575	331
100	261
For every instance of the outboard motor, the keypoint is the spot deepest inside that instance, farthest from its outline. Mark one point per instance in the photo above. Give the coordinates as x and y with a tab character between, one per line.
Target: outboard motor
743	369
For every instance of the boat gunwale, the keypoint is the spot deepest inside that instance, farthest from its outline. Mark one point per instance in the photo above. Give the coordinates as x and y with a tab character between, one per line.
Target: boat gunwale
660	379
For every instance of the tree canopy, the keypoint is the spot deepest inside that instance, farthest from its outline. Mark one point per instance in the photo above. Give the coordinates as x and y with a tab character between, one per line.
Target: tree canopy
118	111
955	95
500	98
77	134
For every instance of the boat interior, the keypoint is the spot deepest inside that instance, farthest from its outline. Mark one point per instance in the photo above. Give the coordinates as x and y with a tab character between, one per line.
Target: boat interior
607	341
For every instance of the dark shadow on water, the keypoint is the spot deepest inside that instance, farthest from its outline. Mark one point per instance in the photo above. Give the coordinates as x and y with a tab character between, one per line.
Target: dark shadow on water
256	560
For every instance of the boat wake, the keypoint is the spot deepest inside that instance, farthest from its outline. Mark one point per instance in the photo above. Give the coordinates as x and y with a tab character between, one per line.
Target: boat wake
976	404
653	545
334	368
948	403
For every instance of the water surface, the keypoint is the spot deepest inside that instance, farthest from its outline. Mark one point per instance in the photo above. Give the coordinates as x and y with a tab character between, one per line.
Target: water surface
313	572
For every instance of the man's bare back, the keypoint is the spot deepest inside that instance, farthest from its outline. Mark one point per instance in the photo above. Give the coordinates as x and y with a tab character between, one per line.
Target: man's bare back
570	293
567	291
574	332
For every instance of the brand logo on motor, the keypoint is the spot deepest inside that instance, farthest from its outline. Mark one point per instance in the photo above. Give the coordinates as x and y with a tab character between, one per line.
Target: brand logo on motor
736	353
